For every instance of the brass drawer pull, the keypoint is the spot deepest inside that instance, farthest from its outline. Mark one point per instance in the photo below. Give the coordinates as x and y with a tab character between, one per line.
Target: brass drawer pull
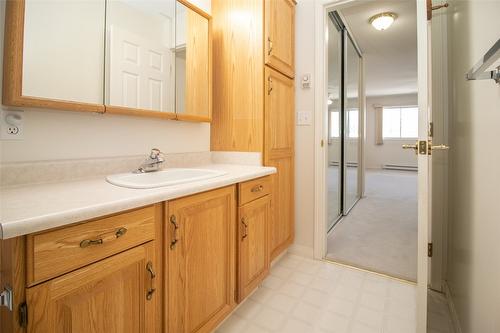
257	188
270	49
120	232
270	83
245	228
88	242
152	274
173	220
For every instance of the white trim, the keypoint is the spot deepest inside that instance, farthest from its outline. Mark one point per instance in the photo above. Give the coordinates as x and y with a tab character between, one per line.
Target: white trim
301	250
451	307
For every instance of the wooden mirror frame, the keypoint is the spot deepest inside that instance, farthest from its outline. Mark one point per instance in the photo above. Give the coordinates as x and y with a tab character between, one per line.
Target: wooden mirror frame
12	94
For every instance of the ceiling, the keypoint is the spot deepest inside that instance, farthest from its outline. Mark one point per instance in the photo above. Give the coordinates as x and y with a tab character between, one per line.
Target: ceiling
390	56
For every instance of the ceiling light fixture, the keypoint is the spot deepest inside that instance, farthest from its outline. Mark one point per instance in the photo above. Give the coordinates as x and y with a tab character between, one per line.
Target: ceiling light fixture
382	21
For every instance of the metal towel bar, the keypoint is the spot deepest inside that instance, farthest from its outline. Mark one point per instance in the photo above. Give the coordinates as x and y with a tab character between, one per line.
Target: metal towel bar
479	71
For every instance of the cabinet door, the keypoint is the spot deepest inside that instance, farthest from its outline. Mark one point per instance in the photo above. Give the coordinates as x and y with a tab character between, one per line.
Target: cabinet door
253	252
280	35
113	295
201	260
282	226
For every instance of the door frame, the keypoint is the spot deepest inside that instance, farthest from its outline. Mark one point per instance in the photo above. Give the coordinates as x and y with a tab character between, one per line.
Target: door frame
322	7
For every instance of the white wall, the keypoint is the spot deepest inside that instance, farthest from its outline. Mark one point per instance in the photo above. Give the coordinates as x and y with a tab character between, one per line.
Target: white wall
50	135
390	152
474	224
304	135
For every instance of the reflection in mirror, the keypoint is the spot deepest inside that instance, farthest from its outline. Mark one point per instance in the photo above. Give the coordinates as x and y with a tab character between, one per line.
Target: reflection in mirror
192	59
334	160
140	54
62	51
351	123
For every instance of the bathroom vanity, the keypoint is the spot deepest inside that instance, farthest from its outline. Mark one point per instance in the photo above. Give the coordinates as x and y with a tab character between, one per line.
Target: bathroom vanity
174	259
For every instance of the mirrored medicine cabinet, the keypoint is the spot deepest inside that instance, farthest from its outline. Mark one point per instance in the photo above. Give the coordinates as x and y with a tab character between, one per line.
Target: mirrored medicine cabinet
137	57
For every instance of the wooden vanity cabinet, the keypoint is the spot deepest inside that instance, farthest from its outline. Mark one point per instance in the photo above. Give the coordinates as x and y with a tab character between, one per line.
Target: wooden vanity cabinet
254	221
103	275
200	256
116	294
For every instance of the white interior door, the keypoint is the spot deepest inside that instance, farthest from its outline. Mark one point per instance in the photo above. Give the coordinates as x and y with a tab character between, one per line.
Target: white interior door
424	161
140	72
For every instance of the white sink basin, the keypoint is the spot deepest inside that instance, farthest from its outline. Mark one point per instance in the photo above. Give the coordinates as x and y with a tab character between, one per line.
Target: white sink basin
167	177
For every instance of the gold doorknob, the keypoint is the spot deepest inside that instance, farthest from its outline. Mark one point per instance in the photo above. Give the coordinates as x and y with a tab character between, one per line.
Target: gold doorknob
440	147
414	147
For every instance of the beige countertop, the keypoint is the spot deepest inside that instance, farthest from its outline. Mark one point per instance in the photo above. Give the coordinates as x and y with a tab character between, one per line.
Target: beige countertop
31	208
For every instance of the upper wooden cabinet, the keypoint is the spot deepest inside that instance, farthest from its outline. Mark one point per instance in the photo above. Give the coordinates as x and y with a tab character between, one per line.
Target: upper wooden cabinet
280	35
114	56
200	236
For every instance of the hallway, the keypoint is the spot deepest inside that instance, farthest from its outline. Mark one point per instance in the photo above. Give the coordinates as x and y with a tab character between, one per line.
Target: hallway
380	233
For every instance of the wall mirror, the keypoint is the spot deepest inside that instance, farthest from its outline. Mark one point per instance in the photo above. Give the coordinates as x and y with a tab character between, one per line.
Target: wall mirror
140	56
137	57
192	61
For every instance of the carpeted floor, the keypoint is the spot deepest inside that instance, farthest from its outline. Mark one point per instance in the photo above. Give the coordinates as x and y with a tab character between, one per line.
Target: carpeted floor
380	232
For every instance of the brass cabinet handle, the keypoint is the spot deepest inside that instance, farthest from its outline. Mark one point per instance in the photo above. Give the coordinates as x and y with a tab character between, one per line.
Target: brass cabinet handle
270	88
270	47
257	188
152	274
245	228
173	221
88	242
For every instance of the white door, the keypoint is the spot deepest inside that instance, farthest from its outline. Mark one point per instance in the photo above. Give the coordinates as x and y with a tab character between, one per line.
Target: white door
140	72
425	147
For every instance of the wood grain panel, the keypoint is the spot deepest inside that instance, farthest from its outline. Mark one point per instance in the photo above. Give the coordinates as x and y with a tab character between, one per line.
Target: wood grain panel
279	115
201	265
108	296
253	241
57	252
253	189
113	109
280	35
237	120
283	205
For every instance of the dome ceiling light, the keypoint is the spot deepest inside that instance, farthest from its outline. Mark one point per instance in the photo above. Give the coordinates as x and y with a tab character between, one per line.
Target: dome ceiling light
382	21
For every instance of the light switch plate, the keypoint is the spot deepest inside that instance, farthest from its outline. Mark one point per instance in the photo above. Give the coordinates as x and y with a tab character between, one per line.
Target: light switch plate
304	118
306	81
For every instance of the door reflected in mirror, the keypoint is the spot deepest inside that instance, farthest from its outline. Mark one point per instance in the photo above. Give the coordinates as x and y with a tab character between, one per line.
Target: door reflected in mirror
140	54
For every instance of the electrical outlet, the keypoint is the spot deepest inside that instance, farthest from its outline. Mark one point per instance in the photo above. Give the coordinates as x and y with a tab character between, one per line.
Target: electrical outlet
11	125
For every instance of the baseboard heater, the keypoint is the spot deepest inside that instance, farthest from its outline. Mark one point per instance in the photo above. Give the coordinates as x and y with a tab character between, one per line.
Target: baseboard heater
400	167
349	164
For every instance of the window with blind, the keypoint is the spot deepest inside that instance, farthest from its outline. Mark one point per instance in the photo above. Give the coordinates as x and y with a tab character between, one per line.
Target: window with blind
400	122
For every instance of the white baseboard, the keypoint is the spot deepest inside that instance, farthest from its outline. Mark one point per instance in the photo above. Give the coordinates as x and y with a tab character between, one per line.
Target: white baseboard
301	250
453	310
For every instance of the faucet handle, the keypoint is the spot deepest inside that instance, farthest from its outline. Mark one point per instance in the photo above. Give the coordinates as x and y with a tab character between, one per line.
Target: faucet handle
155	152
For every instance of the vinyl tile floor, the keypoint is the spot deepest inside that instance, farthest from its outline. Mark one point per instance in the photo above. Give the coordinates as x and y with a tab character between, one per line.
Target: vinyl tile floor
303	296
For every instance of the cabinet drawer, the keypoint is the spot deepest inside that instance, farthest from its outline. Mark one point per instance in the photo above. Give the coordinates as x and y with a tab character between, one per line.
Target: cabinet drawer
253	189
56	252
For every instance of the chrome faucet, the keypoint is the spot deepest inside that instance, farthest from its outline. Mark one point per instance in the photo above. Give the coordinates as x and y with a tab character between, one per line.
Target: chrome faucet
152	163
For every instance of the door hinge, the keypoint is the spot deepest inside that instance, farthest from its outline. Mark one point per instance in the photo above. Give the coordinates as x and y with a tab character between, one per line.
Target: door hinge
23	315
431	129
6	298
429	250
